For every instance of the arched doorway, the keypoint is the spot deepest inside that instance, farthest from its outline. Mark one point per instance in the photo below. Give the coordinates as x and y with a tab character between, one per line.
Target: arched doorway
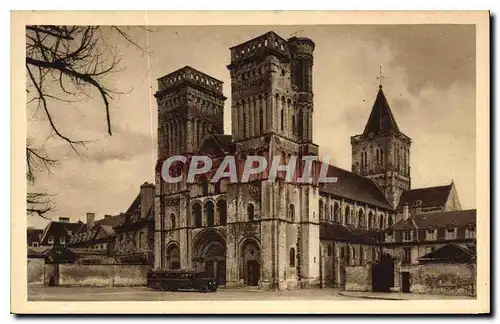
209	255
173	257
250	262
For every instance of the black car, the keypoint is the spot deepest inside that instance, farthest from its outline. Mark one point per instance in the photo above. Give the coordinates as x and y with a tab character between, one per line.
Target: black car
177	279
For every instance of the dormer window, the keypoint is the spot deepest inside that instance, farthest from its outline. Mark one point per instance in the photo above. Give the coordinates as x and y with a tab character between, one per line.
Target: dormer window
34	244
470	231
51	240
62	240
451	233
430	234
418	203
407	235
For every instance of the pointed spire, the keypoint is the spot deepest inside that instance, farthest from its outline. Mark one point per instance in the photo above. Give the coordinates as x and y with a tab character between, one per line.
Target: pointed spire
381	120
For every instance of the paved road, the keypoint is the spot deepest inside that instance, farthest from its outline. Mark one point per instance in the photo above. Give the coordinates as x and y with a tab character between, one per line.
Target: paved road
145	294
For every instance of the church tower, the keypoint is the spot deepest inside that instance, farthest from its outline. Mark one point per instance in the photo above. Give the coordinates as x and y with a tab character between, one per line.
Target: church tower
382	152
190	106
272	106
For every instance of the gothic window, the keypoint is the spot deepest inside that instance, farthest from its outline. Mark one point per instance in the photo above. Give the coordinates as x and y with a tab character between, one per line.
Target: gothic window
347	215
250	212
293	125
378	157
291	213
321	209
209	211
382	157
292	258
353	255
197	214
336	213
331	213
329	250
172	221
222	210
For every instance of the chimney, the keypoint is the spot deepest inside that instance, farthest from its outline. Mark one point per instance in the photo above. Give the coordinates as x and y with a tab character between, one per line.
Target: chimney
147	198
64	219
406	212
90	220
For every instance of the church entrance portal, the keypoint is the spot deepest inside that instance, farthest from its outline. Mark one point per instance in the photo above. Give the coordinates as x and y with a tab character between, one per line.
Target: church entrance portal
210	255
250	263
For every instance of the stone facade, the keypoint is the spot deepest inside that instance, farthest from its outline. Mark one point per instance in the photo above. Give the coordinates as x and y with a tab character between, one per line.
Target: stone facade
272	234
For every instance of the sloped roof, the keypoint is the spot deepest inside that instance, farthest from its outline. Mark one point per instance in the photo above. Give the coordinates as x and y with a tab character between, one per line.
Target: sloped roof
355	187
33	235
449	253
456	218
59	229
431	196
339	232
381	120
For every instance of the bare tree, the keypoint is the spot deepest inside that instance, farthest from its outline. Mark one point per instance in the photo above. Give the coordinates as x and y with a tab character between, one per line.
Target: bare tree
66	64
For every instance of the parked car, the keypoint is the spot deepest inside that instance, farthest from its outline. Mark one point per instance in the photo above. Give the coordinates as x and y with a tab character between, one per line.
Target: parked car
180	279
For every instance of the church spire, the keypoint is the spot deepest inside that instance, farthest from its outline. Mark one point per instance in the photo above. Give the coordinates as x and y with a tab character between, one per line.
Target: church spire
381	120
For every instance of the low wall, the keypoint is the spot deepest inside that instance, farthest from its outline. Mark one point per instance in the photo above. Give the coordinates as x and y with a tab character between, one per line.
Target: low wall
85	275
445	279
358	278
92	275
36	271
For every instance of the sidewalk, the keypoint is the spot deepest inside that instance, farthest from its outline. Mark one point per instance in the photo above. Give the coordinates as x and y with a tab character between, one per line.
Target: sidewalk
399	296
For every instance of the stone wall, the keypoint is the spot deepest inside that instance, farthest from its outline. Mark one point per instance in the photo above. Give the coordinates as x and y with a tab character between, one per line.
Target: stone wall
102	275
358	278
446	279
35	272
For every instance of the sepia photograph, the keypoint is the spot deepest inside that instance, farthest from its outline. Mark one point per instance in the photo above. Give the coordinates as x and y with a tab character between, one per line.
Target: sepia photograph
336	158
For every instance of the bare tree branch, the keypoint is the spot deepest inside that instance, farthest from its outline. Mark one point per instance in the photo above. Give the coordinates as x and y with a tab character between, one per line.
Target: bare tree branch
75	60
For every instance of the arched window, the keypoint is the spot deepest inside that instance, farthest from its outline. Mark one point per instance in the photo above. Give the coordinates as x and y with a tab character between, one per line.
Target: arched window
222	210
336	213
282	114
209	211
390	221
292	258
172	221
371	220
353	255
197	214
250	211
321	209
361	219
381	223
205	186
347	215
291	213
261	121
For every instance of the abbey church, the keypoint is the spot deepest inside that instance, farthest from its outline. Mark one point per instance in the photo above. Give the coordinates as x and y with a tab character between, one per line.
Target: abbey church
292	235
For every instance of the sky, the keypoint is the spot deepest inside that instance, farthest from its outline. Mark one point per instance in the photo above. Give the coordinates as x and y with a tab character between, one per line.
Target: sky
429	83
